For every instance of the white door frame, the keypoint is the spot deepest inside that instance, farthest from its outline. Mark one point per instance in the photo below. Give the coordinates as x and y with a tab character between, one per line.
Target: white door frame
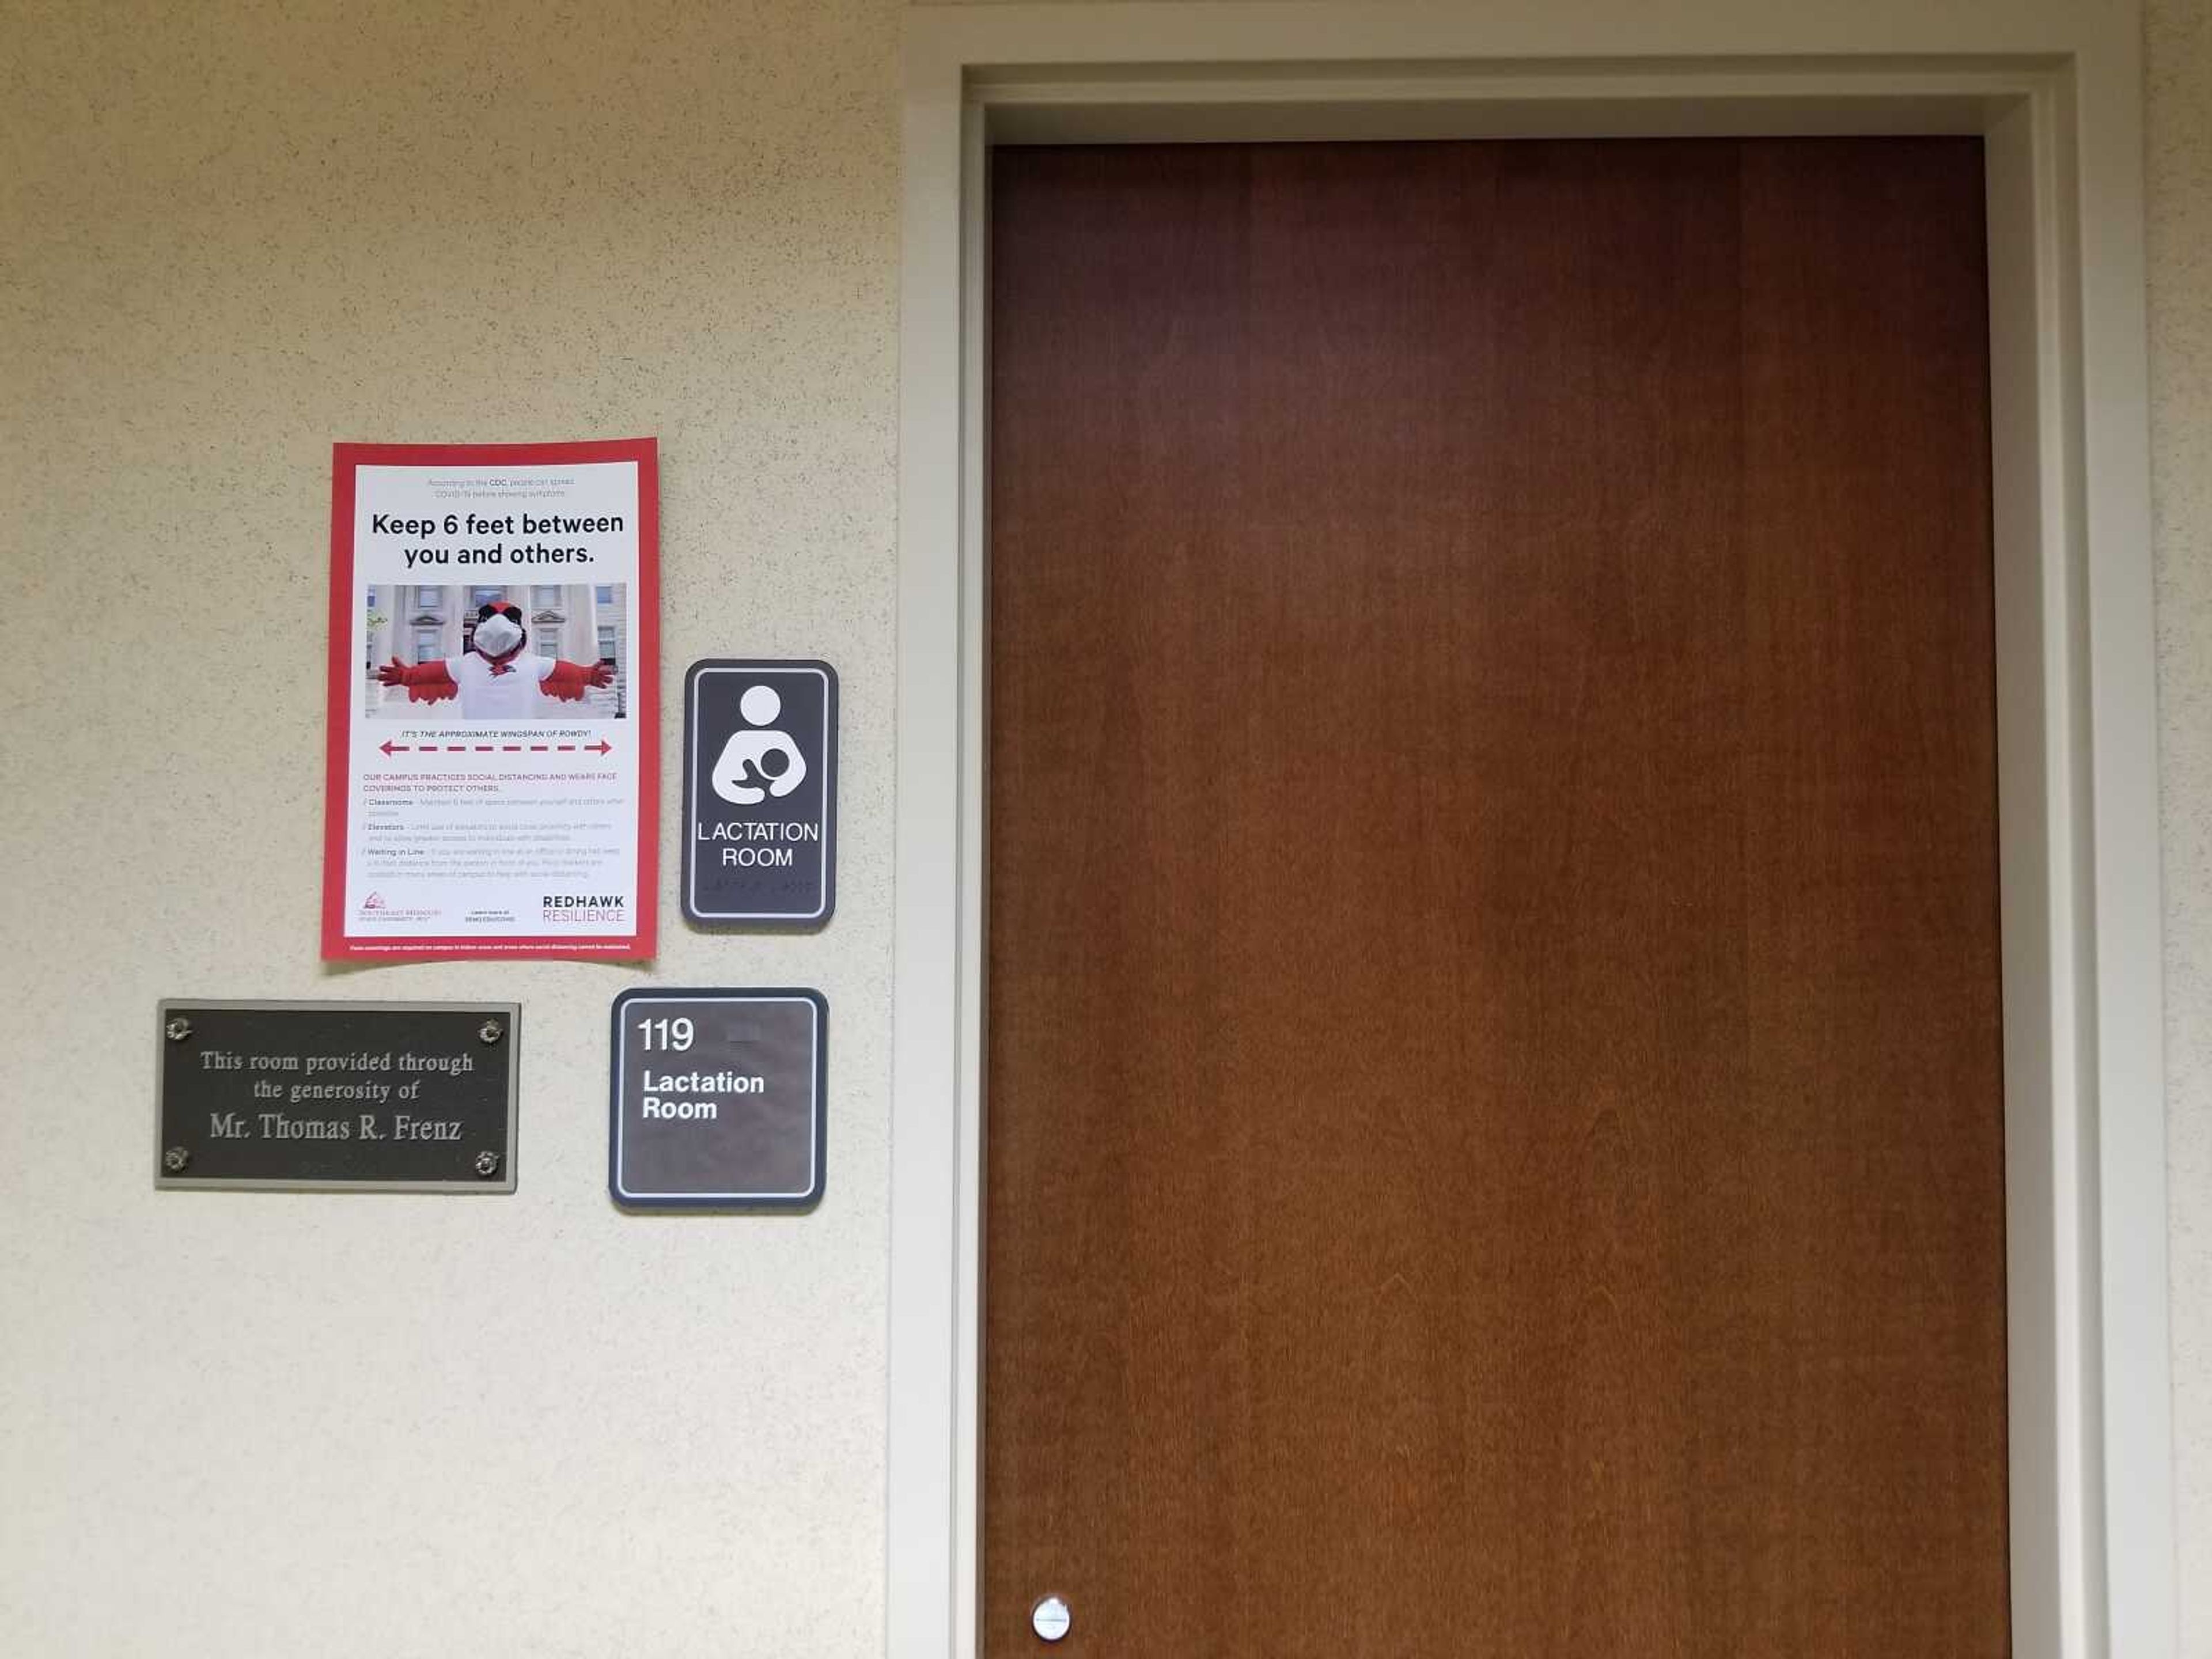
2056	88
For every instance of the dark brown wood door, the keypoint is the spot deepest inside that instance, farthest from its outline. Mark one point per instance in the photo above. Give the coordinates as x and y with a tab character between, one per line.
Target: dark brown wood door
1494	1130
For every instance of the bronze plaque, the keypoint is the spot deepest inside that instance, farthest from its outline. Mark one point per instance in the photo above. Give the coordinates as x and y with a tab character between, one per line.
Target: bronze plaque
337	1096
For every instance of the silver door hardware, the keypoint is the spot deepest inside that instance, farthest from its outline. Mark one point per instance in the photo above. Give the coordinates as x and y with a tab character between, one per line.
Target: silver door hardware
1048	1619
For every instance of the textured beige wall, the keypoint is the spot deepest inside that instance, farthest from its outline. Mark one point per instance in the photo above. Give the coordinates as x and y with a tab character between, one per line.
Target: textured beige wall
2179	155
230	233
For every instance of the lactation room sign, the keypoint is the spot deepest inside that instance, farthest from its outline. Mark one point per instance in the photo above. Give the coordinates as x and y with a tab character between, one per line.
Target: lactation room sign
760	793
493	674
718	1099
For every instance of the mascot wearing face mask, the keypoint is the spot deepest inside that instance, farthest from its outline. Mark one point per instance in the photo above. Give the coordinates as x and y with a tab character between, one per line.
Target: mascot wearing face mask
493	679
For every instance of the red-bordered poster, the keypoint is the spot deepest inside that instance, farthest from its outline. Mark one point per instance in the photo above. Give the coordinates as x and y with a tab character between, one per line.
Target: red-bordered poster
494	681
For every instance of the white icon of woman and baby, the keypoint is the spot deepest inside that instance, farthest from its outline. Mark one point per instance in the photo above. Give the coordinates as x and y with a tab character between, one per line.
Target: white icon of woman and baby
758	753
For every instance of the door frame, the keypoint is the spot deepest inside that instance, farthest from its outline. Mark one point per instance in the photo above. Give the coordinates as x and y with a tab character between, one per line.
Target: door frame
2055	87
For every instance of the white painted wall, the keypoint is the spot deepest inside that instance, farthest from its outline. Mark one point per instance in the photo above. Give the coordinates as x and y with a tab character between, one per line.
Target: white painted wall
377	1425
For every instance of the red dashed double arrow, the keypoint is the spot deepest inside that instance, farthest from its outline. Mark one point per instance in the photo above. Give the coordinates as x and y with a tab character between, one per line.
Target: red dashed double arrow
601	747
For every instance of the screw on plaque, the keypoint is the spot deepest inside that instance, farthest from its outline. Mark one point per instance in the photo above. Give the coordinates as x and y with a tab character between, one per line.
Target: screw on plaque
178	1028
176	1159
487	1163
492	1030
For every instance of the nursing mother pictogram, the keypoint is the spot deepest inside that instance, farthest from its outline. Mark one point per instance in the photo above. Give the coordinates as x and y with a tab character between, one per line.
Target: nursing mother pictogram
755	752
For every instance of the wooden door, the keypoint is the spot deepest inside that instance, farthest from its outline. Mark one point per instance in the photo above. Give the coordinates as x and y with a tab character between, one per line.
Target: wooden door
1494	1130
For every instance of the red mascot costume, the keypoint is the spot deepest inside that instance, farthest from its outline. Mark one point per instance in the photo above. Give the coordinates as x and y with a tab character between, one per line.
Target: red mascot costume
493	679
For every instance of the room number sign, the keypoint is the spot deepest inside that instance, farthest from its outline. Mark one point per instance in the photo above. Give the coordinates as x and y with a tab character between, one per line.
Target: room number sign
716	1100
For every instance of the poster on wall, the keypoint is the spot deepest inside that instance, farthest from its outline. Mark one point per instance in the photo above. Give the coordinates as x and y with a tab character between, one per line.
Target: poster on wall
493	677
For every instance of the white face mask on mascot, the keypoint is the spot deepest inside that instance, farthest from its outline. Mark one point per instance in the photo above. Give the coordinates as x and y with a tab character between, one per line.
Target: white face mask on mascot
498	634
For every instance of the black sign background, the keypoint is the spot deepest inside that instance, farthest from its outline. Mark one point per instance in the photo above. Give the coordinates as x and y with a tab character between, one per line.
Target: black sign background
733	875
761	1149
432	1128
